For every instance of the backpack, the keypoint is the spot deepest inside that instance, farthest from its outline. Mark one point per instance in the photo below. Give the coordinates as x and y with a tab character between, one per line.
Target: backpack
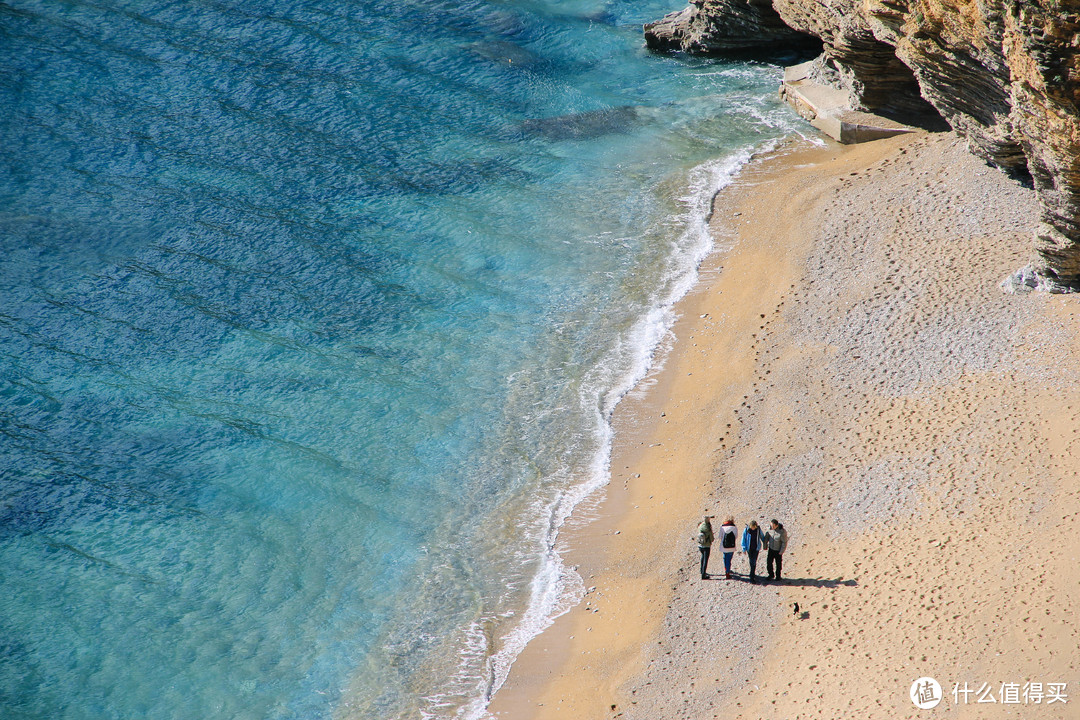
729	538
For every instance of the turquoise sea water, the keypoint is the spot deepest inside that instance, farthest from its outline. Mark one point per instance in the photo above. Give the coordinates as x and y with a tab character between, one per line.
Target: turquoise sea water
312	317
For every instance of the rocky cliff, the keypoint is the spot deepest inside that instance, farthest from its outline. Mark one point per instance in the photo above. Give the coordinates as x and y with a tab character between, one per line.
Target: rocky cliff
711	27
1005	74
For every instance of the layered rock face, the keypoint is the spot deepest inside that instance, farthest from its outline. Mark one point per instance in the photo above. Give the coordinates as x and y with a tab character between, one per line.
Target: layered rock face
1042	45
714	27
1004	73
869	69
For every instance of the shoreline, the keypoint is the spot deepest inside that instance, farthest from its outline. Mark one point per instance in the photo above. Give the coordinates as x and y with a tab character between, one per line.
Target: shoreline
637	476
644	642
696	244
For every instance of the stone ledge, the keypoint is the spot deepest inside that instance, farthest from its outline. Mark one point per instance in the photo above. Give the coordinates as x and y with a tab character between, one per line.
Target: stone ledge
827	109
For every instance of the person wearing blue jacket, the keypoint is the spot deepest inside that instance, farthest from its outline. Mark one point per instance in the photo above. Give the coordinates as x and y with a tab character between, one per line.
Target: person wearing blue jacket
751	545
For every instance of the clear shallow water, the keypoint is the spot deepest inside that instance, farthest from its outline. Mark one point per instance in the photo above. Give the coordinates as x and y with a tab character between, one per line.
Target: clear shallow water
312	316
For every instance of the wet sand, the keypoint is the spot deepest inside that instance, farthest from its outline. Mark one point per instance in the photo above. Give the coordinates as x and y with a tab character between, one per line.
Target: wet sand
849	365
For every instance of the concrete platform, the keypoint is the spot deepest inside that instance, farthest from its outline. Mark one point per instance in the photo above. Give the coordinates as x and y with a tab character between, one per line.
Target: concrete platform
827	109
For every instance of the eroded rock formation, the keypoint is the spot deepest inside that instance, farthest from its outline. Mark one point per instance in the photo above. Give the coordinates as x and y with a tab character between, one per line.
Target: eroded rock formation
711	27
1005	74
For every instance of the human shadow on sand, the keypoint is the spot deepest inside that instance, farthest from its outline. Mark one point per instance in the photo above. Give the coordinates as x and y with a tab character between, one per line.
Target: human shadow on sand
797	582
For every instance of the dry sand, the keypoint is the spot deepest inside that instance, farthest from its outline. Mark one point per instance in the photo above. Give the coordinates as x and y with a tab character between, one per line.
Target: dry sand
849	365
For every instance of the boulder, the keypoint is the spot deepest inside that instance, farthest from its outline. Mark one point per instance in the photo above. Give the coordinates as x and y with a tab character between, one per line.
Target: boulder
718	27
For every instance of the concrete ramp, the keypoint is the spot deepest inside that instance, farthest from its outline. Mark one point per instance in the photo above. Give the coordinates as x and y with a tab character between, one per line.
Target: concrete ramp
827	109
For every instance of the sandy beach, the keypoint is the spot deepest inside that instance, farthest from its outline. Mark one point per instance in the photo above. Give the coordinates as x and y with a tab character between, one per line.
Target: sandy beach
847	364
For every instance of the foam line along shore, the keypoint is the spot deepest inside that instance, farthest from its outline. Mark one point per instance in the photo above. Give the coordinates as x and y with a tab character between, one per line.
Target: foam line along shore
850	366
555	588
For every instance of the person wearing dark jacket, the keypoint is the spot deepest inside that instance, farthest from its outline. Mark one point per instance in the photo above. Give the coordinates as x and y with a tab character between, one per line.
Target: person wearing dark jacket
751	545
704	541
727	542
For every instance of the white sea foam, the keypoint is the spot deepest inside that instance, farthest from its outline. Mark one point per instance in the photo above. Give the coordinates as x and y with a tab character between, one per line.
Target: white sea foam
557	587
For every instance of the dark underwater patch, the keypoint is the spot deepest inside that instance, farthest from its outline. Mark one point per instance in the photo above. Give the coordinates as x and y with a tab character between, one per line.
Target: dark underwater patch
582	126
504	52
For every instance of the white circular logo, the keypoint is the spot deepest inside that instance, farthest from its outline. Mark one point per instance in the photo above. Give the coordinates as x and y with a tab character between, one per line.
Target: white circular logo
925	693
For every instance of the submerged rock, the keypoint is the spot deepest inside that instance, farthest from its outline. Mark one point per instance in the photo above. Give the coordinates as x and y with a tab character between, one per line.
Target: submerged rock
504	52
584	125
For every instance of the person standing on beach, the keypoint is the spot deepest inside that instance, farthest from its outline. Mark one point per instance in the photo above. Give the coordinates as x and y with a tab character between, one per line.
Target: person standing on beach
751	545
727	542
776	541
704	541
